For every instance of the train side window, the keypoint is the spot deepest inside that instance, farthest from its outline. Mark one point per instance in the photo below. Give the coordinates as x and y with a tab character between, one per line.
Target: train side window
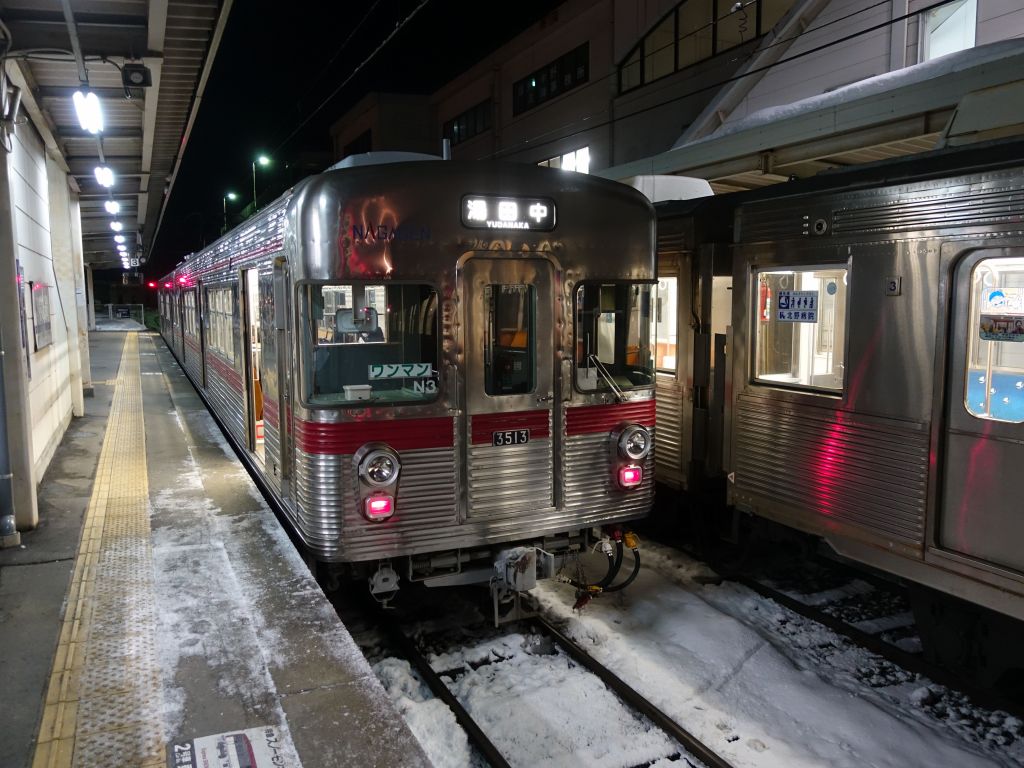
666	325
613	337
510	351
220	305
800	327
994	388
369	342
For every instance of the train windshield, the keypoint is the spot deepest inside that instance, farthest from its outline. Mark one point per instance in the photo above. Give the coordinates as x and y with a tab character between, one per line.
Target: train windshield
613	337
365	342
995	371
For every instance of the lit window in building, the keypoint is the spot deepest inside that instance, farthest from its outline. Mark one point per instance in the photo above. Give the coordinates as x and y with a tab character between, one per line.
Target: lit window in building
948	29
551	80
578	161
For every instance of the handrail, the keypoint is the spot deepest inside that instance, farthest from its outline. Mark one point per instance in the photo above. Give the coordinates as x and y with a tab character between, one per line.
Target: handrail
607	377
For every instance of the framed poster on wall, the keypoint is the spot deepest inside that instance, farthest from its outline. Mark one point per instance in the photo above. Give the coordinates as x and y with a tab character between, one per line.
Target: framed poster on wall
41	314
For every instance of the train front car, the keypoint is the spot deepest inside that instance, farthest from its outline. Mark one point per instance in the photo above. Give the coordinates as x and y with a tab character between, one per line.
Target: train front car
472	366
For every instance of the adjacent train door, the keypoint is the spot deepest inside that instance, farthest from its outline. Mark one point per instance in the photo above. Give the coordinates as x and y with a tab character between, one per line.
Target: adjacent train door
254	389
512	387
982	482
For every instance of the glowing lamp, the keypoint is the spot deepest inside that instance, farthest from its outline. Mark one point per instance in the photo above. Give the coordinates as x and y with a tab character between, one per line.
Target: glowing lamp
87	107
113	207
630	476
152	284
380	507
117	226
104	176
182	280
167	285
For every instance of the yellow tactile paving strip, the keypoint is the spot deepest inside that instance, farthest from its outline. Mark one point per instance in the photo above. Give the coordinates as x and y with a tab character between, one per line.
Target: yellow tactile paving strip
103	706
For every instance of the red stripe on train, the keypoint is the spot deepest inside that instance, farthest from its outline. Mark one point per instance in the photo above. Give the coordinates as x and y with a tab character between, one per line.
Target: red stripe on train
270	412
604	418
484	425
230	376
348	437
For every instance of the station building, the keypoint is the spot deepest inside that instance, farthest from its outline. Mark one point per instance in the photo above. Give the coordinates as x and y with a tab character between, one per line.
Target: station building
742	94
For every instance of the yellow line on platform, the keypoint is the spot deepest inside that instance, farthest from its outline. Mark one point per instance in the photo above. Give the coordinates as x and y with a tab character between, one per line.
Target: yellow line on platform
103	705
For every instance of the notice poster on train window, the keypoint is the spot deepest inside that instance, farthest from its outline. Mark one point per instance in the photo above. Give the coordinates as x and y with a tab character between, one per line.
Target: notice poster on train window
251	748
1002	328
797	307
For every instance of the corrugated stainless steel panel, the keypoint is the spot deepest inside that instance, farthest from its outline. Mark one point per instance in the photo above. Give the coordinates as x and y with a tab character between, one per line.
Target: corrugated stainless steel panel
831	467
669	409
957	205
591	487
328	512
227	401
505	480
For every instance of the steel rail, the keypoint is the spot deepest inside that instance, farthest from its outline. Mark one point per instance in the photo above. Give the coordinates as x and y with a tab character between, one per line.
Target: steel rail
691	743
439	689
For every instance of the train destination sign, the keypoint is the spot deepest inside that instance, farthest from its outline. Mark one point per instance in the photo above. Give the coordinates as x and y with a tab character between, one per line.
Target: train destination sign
497	212
797	307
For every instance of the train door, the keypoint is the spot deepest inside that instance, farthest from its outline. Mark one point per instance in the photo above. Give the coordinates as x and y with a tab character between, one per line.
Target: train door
201	330
512	387
251	342
981	480
670	364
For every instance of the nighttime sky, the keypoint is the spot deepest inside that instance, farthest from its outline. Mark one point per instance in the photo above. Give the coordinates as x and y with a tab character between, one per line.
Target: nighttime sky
279	61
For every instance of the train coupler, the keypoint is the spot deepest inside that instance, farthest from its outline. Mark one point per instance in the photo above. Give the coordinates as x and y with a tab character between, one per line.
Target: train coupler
516	571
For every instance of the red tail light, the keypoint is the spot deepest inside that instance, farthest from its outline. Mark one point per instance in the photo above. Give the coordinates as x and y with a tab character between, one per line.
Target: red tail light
152	284
631	476
379	507
167	285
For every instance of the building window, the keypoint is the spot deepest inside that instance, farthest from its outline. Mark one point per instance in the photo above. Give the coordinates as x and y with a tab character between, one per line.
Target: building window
470	123
696	30
948	29
554	79
578	161
800	327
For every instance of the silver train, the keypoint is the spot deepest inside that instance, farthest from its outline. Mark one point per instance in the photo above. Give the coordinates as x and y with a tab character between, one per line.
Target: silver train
428	362
847	354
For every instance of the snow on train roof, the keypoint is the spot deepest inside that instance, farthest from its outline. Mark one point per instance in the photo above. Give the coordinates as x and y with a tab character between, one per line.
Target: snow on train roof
380	158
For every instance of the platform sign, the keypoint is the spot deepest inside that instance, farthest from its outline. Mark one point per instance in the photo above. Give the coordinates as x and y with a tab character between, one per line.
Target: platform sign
797	307
250	748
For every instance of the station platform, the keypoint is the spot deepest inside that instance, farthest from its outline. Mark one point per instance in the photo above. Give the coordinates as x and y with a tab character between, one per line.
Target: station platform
160	616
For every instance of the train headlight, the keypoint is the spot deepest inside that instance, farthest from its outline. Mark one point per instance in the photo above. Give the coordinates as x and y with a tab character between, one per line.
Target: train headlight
635	442
380	467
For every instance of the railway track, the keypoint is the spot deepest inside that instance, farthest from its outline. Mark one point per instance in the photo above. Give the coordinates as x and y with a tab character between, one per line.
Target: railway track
690	750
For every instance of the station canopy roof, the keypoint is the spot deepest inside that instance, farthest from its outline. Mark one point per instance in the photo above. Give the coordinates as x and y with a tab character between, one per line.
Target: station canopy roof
968	96
59	46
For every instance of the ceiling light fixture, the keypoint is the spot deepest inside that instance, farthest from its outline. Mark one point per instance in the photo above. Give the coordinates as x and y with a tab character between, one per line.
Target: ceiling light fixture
113	207
104	176
118	238
90	115
117	226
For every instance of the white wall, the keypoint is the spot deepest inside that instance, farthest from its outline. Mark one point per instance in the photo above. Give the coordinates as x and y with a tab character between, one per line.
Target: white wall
50	384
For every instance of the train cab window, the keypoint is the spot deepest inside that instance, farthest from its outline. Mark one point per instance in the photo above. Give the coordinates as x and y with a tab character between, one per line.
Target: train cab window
509	352
800	327
364	342
665	325
613	337
995	372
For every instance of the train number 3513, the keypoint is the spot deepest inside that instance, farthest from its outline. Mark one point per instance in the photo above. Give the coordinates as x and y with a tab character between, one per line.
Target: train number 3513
510	437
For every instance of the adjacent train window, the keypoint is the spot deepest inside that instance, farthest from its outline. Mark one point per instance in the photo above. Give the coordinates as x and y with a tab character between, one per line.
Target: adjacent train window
191	316
995	371
800	327
220	329
365	342
509	353
665	325
613	337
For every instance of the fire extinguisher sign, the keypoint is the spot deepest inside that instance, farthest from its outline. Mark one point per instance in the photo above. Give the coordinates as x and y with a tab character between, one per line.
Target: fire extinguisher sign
797	307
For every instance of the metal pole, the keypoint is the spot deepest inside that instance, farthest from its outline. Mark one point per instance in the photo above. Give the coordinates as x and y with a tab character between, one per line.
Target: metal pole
225	227
254	186
9	536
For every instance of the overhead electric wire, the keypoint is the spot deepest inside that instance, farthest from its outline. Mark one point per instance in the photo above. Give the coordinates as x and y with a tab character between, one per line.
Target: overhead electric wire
398	28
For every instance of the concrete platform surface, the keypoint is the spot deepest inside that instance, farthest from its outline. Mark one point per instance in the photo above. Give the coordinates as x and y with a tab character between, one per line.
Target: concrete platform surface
191	627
